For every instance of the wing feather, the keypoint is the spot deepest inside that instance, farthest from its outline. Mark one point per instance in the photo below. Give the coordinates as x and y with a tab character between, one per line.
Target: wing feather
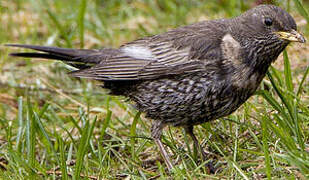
165	60
183	50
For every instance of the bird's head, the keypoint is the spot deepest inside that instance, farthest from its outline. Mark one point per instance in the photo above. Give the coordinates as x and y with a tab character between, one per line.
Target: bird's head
271	22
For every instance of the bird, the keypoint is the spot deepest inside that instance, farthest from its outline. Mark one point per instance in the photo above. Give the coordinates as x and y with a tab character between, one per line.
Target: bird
188	75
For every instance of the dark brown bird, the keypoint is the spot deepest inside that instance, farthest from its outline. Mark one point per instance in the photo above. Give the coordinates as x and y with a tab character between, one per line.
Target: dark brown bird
189	75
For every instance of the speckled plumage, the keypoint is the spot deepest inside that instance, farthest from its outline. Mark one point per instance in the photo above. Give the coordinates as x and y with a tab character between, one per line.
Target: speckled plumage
189	75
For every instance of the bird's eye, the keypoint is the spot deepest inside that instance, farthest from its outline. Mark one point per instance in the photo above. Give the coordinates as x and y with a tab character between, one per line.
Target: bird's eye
268	21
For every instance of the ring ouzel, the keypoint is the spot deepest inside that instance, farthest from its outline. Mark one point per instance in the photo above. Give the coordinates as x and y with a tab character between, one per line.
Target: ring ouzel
188	75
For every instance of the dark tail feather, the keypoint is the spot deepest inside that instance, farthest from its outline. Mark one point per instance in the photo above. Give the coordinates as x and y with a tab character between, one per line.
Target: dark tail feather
56	50
65	54
79	58
40	55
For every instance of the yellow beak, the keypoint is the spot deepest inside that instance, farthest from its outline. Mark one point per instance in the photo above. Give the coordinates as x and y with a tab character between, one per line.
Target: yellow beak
292	36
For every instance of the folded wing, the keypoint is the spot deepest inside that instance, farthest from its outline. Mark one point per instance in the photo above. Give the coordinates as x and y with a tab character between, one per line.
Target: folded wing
141	60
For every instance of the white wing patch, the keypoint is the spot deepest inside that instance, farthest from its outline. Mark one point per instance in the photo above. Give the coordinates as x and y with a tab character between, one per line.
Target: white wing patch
231	49
138	52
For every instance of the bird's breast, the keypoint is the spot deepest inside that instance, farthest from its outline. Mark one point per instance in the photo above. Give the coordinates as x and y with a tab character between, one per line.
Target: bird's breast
190	99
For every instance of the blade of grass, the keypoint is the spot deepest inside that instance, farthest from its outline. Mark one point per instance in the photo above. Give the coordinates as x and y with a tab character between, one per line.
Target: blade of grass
291	99
255	138
20	160
63	165
287	72
265	146
20	124
106	123
302	163
70	153
301	9
30	131
267	96
76	124
302	81
44	132
59	27
289	104
286	139
233	163
133	134
280	94
277	74
82	147
107	118
81	19
236	143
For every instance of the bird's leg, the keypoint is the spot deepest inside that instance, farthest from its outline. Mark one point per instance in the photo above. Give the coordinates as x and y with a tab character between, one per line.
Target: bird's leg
197	145
189	130
156	132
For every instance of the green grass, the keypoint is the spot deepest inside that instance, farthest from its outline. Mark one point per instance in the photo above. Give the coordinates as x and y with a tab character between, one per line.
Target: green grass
53	126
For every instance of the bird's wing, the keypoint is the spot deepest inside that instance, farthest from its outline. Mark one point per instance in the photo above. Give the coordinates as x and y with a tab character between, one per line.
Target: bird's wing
153	57
183	50
140	61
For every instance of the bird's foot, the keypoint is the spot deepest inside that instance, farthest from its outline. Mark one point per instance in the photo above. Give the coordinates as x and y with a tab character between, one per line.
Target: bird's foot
156	132
164	154
211	169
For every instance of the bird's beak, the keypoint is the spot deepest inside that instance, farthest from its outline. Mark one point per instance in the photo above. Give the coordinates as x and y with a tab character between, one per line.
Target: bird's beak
292	36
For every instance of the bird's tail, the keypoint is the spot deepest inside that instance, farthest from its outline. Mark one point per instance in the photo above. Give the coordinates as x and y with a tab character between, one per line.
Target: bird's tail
79	58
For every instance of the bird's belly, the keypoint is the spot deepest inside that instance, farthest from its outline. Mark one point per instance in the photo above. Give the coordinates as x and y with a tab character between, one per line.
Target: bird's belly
187	101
